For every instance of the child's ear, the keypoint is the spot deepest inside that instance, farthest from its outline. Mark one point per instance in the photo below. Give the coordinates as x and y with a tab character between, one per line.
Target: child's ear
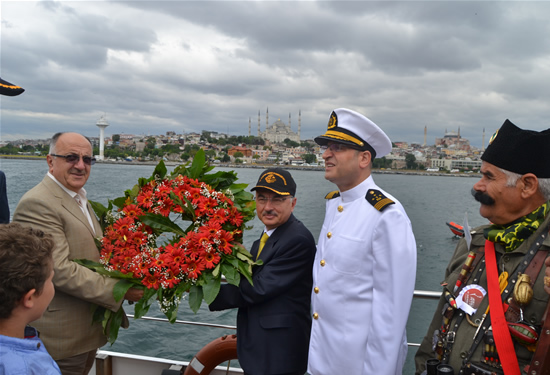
28	299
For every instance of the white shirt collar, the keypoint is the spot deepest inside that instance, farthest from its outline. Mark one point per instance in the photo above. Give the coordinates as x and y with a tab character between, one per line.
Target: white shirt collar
73	194
358	191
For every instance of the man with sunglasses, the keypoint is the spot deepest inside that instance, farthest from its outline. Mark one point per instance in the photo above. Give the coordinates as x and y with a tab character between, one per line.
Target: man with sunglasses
274	320
365	265
58	206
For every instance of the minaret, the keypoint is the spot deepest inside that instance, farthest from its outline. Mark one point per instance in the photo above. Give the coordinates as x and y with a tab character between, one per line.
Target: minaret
483	141
425	135
459	132
249	126
299	123
259	133
289	120
101	124
267	118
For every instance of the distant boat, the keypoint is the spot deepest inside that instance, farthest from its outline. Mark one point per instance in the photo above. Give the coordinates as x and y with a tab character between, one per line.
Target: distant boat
457	230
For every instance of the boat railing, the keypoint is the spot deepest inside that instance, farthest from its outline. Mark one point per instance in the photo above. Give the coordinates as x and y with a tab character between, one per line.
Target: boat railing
420	294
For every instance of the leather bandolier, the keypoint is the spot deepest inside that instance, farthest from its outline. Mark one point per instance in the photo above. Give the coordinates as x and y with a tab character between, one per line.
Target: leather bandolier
444	338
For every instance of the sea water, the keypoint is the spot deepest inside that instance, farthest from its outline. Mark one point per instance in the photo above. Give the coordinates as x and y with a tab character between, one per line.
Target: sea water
430	202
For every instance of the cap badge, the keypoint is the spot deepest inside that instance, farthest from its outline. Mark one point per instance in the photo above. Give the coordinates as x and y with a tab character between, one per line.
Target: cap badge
271	178
493	137
332	121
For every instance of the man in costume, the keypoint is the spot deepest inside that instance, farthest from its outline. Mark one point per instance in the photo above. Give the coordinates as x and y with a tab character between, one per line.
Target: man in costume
273	320
365	266
489	317
58	206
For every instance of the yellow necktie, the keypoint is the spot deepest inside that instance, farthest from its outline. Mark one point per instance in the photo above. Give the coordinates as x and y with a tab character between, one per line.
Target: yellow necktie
263	240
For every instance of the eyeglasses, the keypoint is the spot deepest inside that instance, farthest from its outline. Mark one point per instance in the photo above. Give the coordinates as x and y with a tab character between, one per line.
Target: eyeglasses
276	201
74	158
334	147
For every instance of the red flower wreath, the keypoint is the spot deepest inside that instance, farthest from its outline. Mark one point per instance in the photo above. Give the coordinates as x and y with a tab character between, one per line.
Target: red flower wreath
129	245
187	260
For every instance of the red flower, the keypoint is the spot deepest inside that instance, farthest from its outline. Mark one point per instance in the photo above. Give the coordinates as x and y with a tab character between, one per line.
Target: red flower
145	198
235	217
132	211
123	224
206	205
211	260
195	268
151	281
225	242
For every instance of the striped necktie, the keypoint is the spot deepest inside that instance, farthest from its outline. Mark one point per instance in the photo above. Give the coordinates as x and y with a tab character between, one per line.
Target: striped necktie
263	240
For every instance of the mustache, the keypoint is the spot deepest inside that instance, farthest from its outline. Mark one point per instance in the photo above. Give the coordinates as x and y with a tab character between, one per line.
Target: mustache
482	197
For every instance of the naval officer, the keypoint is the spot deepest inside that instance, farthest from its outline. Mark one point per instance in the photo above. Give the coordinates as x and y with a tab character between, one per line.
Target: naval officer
365	265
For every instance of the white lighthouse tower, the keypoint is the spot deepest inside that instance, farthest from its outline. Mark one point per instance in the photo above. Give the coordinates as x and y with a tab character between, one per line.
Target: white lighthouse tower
102	124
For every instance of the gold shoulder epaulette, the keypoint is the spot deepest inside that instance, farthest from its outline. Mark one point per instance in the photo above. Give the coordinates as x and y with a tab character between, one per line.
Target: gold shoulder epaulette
332	194
378	200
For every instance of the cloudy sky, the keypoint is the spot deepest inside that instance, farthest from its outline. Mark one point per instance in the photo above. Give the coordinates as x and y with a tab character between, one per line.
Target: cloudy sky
188	66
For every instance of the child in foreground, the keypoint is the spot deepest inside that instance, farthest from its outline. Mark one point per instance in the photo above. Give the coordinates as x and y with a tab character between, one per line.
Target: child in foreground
26	289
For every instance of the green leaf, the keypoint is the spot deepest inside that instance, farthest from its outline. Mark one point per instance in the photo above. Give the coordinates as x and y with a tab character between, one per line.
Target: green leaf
160	170
120	289
195	298
114	325
216	270
142	306
243	257
231	274
99	209
198	164
119	202
246	271
161	223
211	288
186	205
235	188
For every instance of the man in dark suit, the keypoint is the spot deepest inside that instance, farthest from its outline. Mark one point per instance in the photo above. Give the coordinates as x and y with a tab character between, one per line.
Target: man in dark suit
7	89
4	207
274	320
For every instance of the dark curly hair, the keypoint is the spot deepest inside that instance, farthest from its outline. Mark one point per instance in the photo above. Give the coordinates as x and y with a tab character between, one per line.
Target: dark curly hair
25	263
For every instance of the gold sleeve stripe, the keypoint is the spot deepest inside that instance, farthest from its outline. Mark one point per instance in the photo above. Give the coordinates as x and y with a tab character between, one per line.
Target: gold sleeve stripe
382	203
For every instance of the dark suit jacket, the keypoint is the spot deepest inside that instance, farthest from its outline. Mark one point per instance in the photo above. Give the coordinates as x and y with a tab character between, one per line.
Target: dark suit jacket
4	207
274	317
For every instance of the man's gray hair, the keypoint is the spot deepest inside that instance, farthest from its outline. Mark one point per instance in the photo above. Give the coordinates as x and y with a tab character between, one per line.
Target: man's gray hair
55	138
53	142
544	183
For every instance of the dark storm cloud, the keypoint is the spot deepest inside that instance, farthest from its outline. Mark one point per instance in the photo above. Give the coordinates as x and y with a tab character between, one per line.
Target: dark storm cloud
154	66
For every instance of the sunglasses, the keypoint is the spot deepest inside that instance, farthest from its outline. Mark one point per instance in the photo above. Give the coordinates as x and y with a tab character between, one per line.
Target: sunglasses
74	158
335	147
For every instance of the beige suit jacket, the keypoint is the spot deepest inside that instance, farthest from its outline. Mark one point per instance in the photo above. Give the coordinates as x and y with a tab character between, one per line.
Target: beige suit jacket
66	327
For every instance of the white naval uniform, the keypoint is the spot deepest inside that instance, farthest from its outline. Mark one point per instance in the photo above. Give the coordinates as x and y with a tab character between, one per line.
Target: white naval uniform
363	284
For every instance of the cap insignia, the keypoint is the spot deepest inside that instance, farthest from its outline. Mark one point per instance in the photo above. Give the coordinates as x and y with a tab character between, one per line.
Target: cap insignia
378	200
493	137
332	121
271	178
332	194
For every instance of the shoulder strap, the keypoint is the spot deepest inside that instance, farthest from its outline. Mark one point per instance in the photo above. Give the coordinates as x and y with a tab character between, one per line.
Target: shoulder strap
332	194
378	199
503	339
540	363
